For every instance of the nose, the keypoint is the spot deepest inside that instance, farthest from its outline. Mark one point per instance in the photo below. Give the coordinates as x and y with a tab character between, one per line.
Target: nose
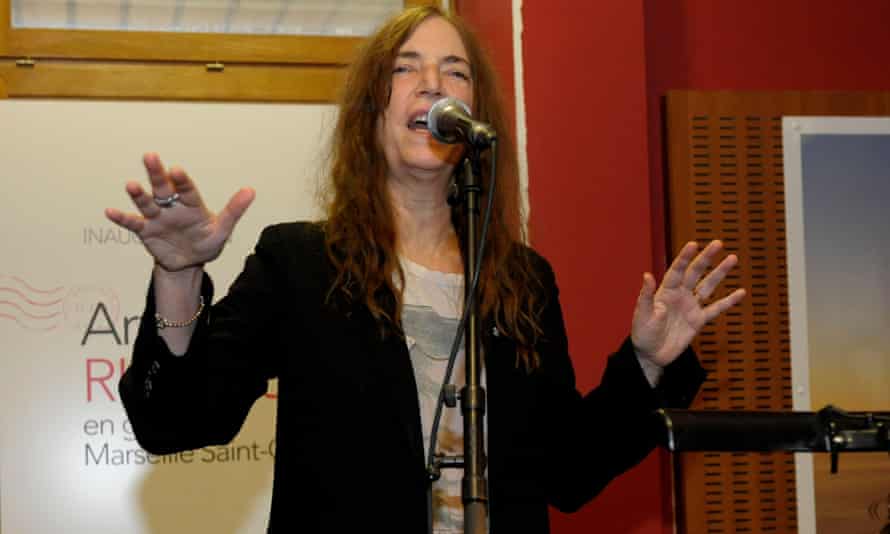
430	82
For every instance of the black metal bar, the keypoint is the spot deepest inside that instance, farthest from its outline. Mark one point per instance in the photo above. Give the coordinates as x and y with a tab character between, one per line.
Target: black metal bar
828	430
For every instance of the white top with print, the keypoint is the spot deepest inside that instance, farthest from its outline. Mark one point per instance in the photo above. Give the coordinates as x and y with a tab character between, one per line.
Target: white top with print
431	311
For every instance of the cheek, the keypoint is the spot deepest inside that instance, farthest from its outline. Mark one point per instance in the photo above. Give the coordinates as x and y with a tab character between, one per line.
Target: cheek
463	92
387	141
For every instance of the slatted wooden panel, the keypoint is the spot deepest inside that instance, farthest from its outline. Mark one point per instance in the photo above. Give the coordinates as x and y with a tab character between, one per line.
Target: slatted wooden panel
726	181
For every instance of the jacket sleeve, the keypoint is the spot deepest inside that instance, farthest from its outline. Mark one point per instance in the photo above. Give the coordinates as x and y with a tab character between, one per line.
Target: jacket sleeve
591	439
201	398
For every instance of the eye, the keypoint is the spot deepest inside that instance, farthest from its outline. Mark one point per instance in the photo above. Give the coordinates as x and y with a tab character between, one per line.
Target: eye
401	69
459	74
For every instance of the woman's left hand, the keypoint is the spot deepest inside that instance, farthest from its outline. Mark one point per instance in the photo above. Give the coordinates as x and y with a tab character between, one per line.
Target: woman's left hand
666	320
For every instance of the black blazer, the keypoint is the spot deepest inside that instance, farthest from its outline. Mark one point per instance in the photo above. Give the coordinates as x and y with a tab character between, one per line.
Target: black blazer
345	394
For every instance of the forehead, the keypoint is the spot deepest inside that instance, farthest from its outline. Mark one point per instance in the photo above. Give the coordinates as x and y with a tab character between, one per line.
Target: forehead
435	38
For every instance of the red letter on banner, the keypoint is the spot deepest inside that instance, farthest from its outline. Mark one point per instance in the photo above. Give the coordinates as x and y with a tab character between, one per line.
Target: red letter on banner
109	367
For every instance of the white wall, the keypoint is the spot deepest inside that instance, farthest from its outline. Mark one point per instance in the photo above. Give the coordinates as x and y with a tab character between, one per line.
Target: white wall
62	163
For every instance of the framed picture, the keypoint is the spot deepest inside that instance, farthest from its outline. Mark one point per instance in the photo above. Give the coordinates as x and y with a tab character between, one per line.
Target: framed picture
837	180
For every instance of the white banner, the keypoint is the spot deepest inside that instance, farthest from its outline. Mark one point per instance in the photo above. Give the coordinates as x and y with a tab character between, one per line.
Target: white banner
72	287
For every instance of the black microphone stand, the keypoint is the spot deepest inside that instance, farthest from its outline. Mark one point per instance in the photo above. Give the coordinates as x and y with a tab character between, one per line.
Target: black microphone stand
472	397
474	487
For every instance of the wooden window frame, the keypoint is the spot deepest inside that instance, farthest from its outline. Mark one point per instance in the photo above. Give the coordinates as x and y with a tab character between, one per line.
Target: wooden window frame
179	66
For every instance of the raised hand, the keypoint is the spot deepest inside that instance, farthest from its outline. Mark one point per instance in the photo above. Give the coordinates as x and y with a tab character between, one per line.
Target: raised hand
666	320
173	223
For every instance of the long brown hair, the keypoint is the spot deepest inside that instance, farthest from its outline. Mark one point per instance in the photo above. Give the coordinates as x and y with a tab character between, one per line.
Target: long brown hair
360	230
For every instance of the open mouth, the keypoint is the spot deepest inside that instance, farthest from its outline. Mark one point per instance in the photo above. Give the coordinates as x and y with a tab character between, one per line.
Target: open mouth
418	122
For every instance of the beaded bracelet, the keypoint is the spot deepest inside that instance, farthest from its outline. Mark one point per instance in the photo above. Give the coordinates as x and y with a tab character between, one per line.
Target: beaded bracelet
163	323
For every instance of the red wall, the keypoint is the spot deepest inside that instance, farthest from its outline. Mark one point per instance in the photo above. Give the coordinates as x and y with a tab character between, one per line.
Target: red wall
585	85
595	72
493	22
589	190
758	45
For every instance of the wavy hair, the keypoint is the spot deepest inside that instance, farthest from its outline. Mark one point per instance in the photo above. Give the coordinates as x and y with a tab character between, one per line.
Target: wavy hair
359	229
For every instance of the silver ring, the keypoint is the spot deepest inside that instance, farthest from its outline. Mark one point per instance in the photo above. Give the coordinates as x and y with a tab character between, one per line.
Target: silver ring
167	202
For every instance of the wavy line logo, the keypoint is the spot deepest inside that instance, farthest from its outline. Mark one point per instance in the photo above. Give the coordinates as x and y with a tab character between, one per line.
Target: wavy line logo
31	308
43	309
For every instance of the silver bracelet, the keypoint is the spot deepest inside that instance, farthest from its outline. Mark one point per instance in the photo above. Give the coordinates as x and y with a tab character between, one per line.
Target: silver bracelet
163	322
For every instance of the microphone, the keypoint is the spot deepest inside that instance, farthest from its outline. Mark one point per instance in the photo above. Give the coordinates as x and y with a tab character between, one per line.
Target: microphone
449	122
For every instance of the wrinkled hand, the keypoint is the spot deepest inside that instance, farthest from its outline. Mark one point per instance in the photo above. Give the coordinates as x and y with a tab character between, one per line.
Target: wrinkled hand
666	320
184	234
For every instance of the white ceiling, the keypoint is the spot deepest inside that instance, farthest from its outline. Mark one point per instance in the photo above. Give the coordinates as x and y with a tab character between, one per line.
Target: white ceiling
301	17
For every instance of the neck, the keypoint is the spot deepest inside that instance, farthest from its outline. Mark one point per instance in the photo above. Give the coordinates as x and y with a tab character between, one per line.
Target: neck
423	225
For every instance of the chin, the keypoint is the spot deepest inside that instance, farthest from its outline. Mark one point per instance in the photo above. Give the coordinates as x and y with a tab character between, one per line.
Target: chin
434	158
431	165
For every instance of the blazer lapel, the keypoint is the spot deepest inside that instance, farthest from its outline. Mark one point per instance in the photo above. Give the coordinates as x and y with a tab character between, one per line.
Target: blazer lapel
390	360
394	362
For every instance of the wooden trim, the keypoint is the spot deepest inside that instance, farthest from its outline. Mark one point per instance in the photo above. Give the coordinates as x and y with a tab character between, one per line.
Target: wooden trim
176	46
3	93
5	25
243	83
106	64
170	46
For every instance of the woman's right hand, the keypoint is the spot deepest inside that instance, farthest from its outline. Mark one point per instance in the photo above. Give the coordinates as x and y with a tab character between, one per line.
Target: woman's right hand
184	234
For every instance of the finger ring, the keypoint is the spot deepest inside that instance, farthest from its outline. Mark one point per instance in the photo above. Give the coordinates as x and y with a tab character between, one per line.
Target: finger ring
167	202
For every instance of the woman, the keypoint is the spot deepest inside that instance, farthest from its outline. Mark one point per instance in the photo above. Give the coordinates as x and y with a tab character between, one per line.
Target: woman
351	315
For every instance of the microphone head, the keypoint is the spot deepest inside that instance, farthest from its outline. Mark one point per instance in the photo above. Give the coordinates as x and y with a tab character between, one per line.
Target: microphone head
440	119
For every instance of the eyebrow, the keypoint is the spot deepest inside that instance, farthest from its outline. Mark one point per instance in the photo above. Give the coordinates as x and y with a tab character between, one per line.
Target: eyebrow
410	54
